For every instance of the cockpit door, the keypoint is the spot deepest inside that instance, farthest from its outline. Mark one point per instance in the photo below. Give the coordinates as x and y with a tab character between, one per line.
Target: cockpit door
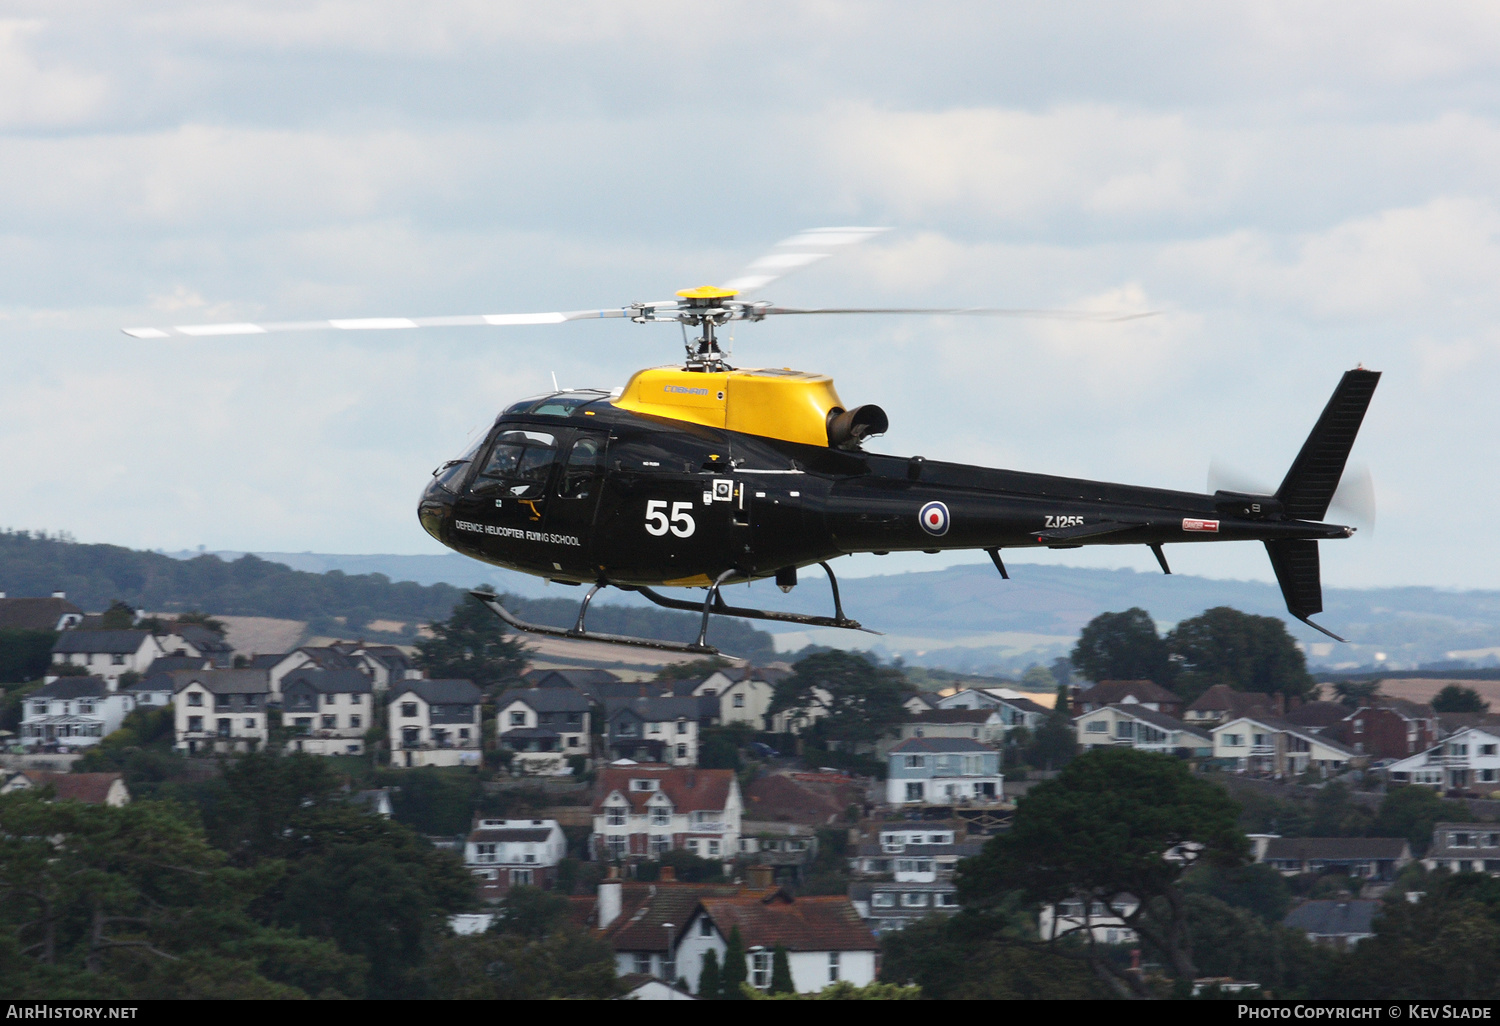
570	509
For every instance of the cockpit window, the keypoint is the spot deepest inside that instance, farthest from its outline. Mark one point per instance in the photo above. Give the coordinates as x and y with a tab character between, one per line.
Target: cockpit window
450	475
518	465
560	404
583	463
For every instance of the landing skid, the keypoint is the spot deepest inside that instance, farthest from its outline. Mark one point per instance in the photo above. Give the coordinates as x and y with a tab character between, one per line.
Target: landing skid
714	603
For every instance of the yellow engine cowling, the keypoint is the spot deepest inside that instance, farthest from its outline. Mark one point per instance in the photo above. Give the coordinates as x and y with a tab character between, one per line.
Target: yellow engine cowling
786	404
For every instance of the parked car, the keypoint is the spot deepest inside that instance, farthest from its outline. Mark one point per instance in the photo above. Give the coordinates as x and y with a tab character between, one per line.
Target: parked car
762	750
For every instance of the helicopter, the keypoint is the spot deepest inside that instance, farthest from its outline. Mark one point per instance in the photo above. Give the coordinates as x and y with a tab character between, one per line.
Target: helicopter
702	474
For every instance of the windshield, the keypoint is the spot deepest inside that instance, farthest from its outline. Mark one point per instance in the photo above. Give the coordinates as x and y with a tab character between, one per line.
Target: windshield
449	476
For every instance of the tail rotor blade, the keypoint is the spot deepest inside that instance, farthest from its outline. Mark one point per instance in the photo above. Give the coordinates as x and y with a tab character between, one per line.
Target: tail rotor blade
1222	477
1355	498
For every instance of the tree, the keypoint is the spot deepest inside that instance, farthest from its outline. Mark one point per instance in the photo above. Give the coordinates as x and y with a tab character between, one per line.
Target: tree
118	617
1457	699
1038	678
471	645
202	619
733	972
1122	646
25	655
982	958
1255	888
1354	692
710	986
562	963
1246	652
781	971
863	701
1055	740
695	669
1411	811
1111	827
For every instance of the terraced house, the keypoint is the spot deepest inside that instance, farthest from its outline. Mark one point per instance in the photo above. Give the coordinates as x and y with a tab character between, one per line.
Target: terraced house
434	723
643	811
221	710
329	710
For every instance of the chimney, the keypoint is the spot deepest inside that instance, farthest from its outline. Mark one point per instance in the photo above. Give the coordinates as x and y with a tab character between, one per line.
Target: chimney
668	874
60	594
1278	703
759	878
609	903
2	594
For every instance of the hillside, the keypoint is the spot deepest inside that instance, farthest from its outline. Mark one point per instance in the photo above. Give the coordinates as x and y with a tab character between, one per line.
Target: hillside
331	603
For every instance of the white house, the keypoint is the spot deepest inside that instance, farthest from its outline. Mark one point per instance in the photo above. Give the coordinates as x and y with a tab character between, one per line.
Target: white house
196	640
1014	708
1137	726
1265	745
649	729
506	853
744	693
1077	916
985	725
1465	848
645	810
798	718
543	727
1467	760
434	723
39	614
73	711
331	710
826	939
107	654
943	770
221	710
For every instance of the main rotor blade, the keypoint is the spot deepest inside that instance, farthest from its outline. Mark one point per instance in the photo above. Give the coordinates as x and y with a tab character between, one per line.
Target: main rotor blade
975	311
377	323
797	252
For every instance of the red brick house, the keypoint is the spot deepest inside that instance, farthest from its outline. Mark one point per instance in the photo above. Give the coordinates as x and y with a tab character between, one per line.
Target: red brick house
1388	728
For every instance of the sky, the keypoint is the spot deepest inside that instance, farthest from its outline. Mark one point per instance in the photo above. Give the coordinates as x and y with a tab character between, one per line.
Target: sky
1297	188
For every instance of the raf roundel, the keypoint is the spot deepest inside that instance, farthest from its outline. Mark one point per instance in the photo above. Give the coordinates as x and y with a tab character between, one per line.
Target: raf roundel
934	518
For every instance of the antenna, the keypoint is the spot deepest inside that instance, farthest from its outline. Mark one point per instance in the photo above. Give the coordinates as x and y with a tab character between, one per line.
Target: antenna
554	382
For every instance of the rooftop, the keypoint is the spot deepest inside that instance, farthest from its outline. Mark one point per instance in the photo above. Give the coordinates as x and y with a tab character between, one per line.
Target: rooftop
1337	849
689	789
439	692
1332	918
940	746
547	699
73	687
123	642
799	924
34	614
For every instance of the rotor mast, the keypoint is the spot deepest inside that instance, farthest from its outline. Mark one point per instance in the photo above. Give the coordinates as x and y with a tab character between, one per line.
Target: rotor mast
704	308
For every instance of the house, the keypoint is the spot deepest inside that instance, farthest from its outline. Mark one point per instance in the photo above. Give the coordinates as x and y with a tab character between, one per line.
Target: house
76	712
1143	728
1465	848
744	693
168	663
641	811
221	710
1368	858
888	905
39	614
108	654
331	710
1222	702
923	852
1388	728
88	788
648	988
1338	923
543	727
506	853
197	641
796	719
639	921
1318	717
1467	760
918	702
825	938
156	689
653	729
434	723
811	799
1263	745
1079	915
985	725
943	770
1016	710
785	850
586	681
1126	692
386	665
318	657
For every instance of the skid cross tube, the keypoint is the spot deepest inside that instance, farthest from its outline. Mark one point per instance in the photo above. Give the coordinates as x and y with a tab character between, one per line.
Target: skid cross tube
715	603
492	602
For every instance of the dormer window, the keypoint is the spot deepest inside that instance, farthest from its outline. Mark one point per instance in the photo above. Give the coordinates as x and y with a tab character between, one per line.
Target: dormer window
645	785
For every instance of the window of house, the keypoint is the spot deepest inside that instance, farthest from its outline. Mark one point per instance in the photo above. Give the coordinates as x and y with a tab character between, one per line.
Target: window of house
354	721
645	785
914	792
330	722
914	899
1487	776
85	708
614	815
463	733
714	847
330	699
194	698
946	899
682	726
883	899
1487	749
661	815
195	724
1234	740
117	659
660	843
408	708
223	727
739	701
917	732
518	719
915	761
305	722
1458	841
692	845
682	751
250	723
356	699
40	708
643	962
833	967
705	927
653	728
1125	729
760	969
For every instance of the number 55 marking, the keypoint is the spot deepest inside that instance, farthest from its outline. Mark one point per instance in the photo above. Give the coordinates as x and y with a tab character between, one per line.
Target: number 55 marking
680	523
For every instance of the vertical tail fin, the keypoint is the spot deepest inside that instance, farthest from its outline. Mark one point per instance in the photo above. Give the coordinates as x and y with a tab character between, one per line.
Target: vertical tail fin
1308	489
1314	477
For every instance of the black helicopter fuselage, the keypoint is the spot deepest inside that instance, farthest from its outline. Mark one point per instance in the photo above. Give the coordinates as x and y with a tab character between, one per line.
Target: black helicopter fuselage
574	489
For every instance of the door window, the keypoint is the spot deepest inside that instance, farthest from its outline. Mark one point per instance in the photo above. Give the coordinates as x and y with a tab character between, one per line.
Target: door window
582	465
518	465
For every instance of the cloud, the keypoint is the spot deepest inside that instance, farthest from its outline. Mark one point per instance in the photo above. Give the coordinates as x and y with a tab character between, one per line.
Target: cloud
36	96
